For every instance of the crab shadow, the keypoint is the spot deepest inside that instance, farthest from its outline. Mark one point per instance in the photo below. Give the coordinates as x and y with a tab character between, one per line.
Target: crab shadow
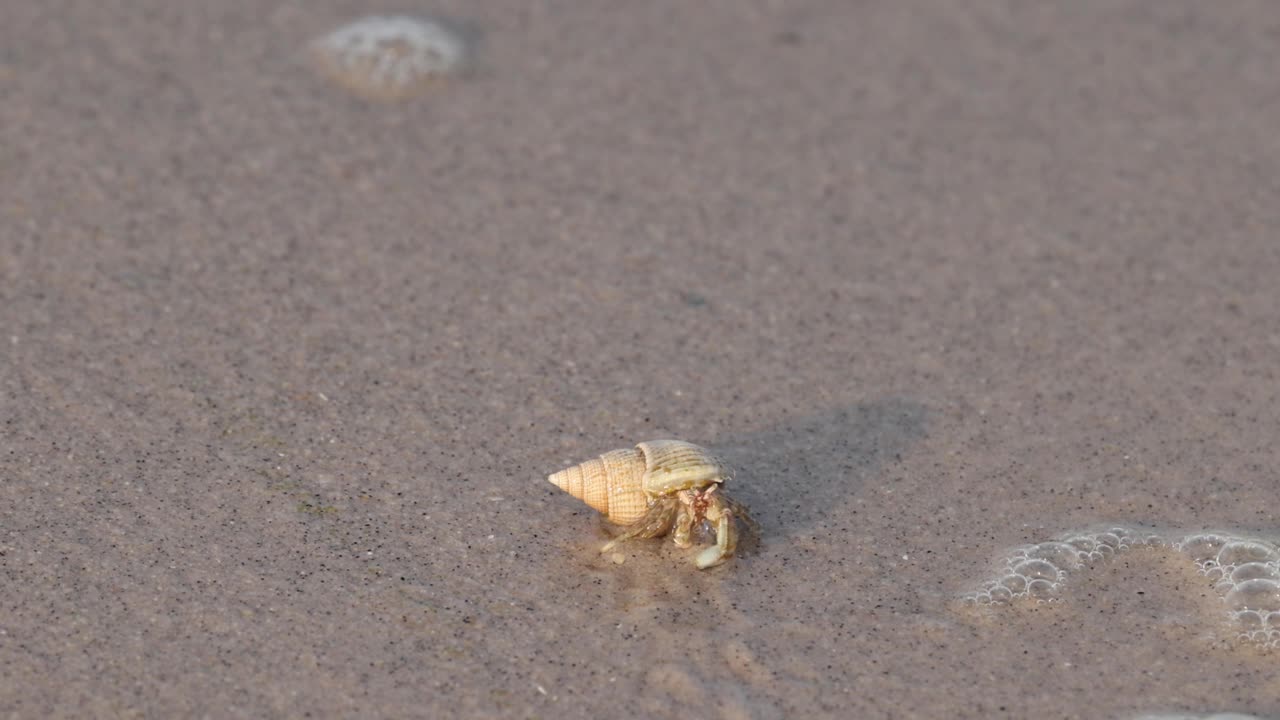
794	473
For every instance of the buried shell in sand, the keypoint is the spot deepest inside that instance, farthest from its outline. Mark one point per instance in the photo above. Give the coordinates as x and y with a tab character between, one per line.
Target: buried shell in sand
389	57
657	487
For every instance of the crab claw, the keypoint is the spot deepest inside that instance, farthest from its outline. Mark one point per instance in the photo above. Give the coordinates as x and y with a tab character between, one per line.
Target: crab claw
726	536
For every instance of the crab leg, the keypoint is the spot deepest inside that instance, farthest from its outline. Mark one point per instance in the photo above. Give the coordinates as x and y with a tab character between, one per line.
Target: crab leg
742	515
654	523
685	519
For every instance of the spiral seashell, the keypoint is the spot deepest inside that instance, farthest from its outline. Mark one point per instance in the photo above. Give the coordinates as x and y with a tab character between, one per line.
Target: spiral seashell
612	484
620	483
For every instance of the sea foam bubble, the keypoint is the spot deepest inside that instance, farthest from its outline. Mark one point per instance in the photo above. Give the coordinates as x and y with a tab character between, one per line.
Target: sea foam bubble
1245	571
1038	572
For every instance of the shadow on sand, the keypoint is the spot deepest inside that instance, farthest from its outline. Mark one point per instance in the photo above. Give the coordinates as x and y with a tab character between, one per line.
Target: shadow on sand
792	473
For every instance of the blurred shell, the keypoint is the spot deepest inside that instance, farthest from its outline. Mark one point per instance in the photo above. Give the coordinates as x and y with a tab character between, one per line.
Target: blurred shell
614	483
389	57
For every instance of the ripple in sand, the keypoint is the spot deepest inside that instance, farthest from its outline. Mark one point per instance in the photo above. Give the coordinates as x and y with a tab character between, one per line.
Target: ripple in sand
1246	571
389	57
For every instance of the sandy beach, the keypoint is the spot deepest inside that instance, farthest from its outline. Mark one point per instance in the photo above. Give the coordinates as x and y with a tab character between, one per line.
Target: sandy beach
955	287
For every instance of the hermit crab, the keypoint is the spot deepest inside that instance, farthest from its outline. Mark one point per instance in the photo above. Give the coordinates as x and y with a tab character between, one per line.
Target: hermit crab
657	486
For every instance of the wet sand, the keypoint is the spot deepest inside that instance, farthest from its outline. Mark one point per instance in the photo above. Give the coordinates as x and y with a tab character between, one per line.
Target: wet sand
283	372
